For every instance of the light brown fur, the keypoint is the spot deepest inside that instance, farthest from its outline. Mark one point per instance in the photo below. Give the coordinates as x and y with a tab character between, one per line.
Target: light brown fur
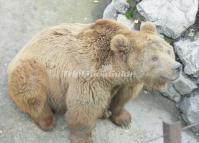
39	84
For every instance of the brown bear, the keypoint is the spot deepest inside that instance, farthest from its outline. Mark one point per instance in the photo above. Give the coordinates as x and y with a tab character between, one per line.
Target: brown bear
41	77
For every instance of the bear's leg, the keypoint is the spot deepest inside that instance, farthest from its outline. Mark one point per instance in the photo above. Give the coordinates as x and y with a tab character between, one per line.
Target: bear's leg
81	122
27	86
120	116
85	102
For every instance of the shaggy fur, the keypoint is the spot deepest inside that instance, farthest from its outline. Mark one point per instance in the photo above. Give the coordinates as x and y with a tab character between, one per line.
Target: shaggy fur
39	84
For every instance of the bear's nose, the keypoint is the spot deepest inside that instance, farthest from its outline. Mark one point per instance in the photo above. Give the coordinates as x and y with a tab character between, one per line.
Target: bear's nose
177	67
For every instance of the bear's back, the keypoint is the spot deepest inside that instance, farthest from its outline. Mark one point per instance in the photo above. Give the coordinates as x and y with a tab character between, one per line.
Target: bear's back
52	45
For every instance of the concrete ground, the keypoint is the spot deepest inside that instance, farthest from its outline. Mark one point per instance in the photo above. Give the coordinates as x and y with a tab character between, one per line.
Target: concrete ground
19	21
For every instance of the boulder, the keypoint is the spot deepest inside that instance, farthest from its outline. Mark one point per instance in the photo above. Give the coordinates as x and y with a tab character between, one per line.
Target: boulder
115	7
172	94
172	17
181	86
126	22
188	52
121	6
197	21
184	85
190	109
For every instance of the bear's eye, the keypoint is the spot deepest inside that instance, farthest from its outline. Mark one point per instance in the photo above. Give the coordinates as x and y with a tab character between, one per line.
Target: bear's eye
154	58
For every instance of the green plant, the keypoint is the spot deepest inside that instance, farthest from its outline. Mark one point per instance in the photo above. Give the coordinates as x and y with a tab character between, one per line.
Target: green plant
131	13
169	40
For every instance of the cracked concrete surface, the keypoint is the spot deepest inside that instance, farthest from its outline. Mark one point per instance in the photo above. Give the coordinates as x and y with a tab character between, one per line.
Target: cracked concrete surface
19	21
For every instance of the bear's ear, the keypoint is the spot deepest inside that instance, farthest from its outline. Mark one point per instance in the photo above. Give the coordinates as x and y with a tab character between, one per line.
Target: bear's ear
148	27
120	46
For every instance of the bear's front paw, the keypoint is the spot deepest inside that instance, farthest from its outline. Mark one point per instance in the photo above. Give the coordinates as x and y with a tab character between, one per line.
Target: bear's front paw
122	119
46	123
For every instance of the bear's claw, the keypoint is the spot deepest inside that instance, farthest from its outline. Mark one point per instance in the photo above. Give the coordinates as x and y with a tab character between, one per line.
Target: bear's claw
122	119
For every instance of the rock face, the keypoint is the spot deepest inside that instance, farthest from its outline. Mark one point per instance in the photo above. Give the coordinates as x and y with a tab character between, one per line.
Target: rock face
172	94
188	52
123	20
197	20
115	7
172	17
184	85
190	109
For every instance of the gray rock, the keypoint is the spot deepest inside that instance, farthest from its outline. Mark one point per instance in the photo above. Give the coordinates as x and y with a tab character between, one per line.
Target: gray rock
196	24
172	94
190	109
110	12
115	7
196	81
121	6
190	33
184	85
138	1
126	22
188	52
172	17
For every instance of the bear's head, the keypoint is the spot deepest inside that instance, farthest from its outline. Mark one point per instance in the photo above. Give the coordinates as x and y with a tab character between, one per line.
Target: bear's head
147	55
